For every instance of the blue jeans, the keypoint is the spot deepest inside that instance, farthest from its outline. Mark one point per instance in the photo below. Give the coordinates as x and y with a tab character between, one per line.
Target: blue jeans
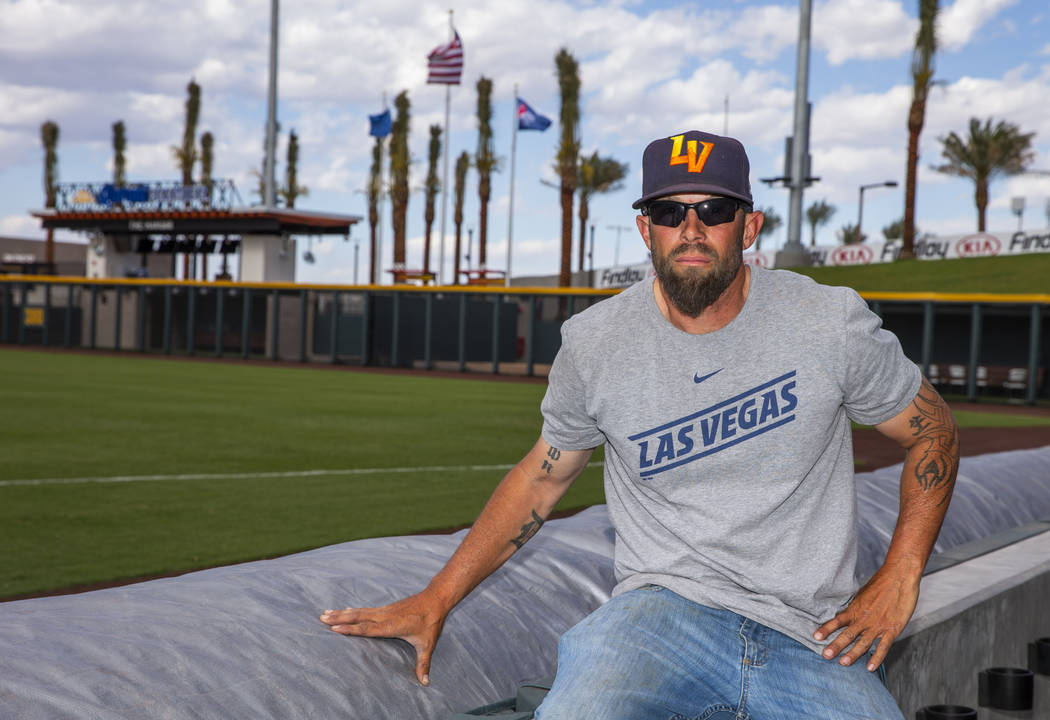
650	654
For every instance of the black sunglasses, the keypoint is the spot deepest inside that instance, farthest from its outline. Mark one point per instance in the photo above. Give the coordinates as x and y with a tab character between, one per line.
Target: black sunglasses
671	213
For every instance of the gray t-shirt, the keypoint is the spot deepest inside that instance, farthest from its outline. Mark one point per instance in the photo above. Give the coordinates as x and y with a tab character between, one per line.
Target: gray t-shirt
728	455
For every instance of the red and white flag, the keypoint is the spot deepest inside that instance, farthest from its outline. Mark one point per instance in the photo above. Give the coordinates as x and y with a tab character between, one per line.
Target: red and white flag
445	63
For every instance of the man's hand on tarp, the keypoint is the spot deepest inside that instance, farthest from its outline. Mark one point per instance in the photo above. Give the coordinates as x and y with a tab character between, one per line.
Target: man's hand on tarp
417	620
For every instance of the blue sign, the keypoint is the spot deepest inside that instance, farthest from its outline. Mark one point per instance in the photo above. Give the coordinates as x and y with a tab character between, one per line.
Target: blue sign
110	194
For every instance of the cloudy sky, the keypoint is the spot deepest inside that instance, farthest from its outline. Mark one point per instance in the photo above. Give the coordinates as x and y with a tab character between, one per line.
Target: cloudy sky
648	69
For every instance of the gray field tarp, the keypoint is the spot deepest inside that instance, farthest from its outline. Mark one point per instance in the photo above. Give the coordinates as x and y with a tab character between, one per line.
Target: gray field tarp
993	493
244	641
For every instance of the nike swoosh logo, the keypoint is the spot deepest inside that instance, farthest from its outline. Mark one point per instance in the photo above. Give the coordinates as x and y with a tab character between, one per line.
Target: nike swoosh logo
698	379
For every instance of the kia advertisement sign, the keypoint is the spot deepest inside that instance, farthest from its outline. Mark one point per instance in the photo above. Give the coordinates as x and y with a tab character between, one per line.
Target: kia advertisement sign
858	254
979	245
759	259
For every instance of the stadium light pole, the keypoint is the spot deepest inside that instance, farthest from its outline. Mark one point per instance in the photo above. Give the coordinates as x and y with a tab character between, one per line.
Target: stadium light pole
860	203
1017	205
269	192
792	253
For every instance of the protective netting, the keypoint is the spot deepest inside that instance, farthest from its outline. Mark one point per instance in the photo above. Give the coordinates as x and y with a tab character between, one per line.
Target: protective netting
245	642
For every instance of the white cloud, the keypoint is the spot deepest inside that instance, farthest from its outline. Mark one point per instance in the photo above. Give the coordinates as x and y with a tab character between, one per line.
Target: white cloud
958	23
862	118
1008	98
862	29
29	106
150	161
23	226
764	32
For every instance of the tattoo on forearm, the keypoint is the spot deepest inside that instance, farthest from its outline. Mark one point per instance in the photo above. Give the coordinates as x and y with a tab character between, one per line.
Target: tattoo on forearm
528	530
554	454
937	438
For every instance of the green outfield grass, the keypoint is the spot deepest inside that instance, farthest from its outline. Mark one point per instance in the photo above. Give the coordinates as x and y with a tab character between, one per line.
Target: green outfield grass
92	416
100	454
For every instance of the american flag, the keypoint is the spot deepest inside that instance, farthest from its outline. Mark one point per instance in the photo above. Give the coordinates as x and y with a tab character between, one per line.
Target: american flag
445	63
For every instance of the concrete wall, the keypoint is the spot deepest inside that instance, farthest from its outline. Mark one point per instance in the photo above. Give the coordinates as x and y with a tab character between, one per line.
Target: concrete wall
106	317
979	614
267	258
288	326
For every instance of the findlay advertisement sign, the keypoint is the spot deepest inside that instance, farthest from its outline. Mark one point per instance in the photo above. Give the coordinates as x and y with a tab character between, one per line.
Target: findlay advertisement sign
930	248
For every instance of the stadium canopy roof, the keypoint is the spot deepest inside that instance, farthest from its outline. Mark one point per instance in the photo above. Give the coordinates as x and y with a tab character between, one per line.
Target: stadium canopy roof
198	221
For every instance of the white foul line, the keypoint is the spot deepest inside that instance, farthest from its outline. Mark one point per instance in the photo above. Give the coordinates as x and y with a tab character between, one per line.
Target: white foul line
259	475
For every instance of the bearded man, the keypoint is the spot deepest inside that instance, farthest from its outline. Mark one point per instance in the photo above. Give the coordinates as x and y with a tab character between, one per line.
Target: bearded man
723	395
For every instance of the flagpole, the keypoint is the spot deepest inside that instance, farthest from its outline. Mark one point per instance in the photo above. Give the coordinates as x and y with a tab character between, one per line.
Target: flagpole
444	172
377	261
377	265
444	192
513	155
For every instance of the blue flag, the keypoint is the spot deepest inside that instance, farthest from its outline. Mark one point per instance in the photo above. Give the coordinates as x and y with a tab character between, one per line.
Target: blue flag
380	125
529	119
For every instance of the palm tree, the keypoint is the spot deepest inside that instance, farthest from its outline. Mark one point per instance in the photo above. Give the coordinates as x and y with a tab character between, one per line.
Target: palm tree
399	162
922	81
462	165
894	230
292	189
568	152
431	188
375	191
597	175
186	154
769	225
207	159
986	152
850	234
819	213
484	161
120	144
49	136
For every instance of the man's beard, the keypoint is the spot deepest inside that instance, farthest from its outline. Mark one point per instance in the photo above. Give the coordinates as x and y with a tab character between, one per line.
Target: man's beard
689	291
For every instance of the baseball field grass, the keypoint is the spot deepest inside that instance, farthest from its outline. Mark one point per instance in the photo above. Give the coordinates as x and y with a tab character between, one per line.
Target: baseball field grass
116	467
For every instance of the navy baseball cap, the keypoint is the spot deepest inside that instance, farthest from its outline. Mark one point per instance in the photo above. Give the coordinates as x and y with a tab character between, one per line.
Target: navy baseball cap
695	162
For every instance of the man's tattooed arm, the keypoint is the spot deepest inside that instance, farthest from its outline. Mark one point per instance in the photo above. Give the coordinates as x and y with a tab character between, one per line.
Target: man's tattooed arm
528	530
937	438
547	466
553	455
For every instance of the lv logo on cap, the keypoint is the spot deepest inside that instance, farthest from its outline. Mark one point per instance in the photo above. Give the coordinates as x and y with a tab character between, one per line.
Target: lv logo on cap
695	162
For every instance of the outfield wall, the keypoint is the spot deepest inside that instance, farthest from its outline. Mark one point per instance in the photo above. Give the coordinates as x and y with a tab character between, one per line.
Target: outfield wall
1000	343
